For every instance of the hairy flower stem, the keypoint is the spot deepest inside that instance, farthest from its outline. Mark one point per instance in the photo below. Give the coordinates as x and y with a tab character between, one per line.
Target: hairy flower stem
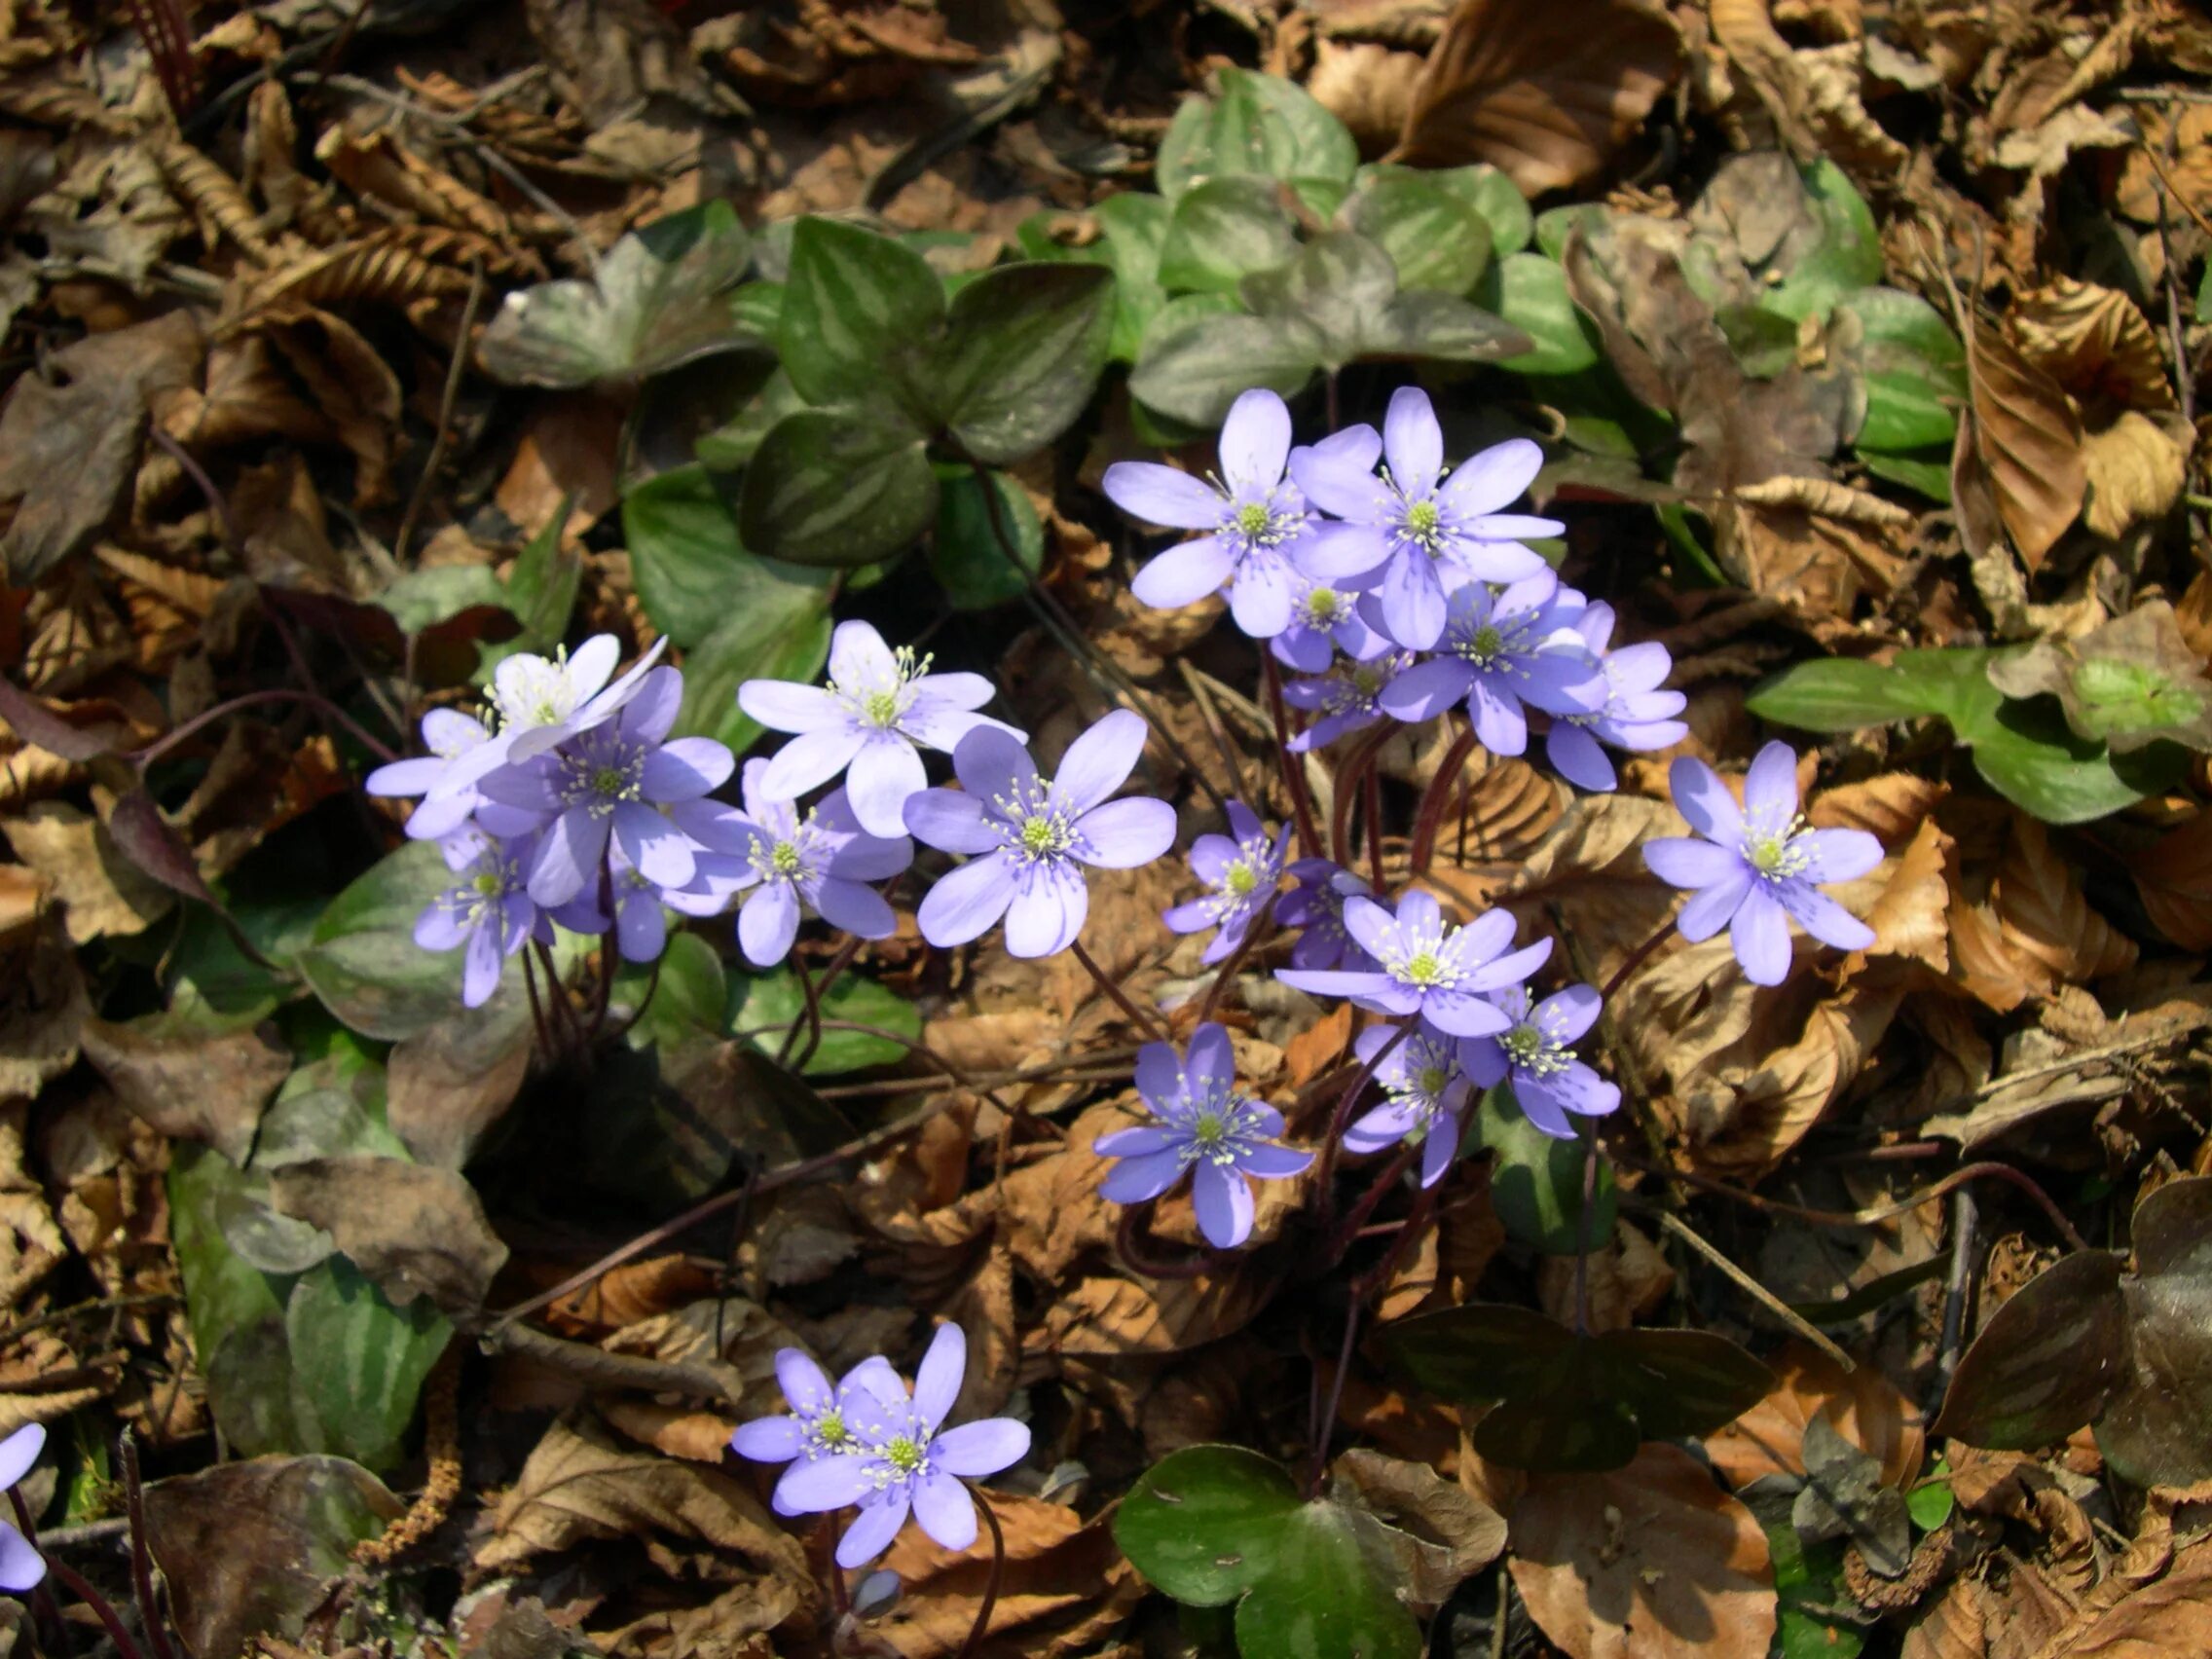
1347	1230
72	1582
1143	1021
1366	1285
608	956
1259	933
1347	785
323	706
544	1032
1635	960
1374	794
1428	818
1582	1232
976	1631
1292	765
573	1042
1332	1141
141	1565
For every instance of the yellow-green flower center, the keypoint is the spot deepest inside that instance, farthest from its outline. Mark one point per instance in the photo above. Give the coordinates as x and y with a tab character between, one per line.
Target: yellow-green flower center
608	781
1038	835
1208	1129
784	859
1425	967
1368	679
1241	879
487	884
1772	856
1486	643
880	709
1432	1079
1523	1044
1423	520
904	1454
830	1428
1252	519
1321	604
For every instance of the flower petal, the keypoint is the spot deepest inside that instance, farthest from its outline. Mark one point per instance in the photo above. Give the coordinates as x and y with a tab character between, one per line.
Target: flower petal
966	903
809	760
1100	762
1276	1163
1712	908
1209	1064
783	705
1412	443
945	1511
685	769
1770	786
1134	1180
1335	552
1462	1013
1824	918
1837	854
1684	860
1127	833
768	1440
1185	574
1160	1074
767	925
825	1483
882	778
1160	495
1225	1204
976	1451
1047	913
1255	439
18	1452
937	1384
1567	1015
860	660
1493	478
656	849
1703	799
1338	474
860	911
992	765
1759	935
871	1532
949	821
21	1566
1259	599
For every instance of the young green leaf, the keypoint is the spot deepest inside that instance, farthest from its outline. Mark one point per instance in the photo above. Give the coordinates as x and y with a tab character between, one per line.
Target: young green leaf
1434	238
859	311
360	1363
1260	124
1222	231
362	960
1535	1182
1193	370
690	567
965	554
1837	694
1022	353
836	487
661	296
1529	292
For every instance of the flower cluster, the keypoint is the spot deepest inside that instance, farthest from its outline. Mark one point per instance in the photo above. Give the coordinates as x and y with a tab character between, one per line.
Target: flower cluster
863	1441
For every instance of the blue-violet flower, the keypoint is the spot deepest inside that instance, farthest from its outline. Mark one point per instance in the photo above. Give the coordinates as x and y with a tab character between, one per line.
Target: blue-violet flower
1548	1081
1240	875
1427	968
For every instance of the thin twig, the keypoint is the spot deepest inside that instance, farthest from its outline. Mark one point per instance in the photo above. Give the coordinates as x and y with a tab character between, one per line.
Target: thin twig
1752	1287
455	369
1145	1023
1210	717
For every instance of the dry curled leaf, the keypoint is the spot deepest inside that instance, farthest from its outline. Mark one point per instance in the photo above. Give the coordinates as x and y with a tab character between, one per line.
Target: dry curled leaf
1650	1562
1864	1405
1065	1585
2093	342
1546	91
2026	439
415	1230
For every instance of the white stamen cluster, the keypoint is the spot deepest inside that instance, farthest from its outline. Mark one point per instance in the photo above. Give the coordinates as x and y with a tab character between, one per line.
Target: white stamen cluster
882	705
1774	854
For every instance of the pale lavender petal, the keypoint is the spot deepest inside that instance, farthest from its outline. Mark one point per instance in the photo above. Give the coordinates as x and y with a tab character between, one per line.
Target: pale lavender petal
871	1532
1544	1112
439	928
1255	438
767	925
1684	860
717	826
1100	762
1561	682
1225	1205
1195	917
949	821
1159	1073
1337	552
1185	574
825	1483
1712	908
656	849
805	1384
1143	1141
783	705
1338	474
870	858
1511	969
944	1509
1824	918
1141	1176
1047	912
1411	599
1759	935
1770	786
1837	854
809	760
530	786
768	1440
1574	1088
962	691
1127	833
21	1568
1259	600
406	777
1419	915
480	971
440	816
937	1383
685	769
1439	1149
1460	1014
647	717
978	1450
1494	478
1498	721
1577	758
1212	855
1385	1126
966	903
1565	1015
1638	668
641	931
1412	443
1483	1061
859	657
860	911
1703	799
18	1452
1513	527
1160	495
1210	1061
941	725
1426	690
882	778
1371	926
1274	1163
1377	991
994	766
569	856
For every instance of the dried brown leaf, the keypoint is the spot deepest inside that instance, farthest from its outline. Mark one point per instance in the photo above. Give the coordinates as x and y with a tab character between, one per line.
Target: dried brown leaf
1650	1562
1866	1408
1118	1316
2174	878
1544	89
2045	919
2027	440
1442	1533
2134	470
190	1083
1065	1585
2093	342
101	893
415	1230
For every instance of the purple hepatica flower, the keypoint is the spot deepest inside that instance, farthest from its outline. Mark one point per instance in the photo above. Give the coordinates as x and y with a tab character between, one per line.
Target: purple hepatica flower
640	930
1548	1081
1033	837
1501	650
1426	1096
1227	1139
21	1566
1324	620
1241	874
1425	967
1756	868
1636	713
879	708
1261	538
488	909
1316	906
820	862
1414	518
820	1425
1349	699
448	734
905	1461
608	781
541	702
